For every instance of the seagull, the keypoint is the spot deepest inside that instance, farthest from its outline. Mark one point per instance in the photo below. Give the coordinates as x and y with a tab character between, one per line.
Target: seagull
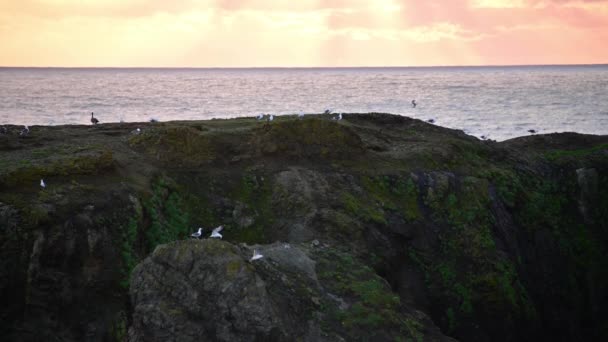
532	131
136	131
340	116
414	104
301	115
260	117
484	137
198	234
215	233
256	255
25	131
94	121
327	111
153	120
42	183
430	120
271	117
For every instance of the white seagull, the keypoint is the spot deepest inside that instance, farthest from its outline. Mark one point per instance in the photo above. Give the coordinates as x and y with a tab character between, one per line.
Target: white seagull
215	233
198	234
256	255
271	117
42	183
340	116
260	117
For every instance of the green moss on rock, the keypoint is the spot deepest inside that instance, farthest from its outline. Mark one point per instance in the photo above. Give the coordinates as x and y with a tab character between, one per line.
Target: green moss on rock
175	145
311	137
86	164
373	310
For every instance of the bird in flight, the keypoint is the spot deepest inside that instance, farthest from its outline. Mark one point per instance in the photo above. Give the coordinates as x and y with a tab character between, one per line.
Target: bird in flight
256	255
215	233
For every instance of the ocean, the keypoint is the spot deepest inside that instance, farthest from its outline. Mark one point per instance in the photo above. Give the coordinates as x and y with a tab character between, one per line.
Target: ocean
497	102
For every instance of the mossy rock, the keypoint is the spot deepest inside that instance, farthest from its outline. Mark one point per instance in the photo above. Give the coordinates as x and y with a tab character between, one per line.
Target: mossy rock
369	310
309	138
175	145
90	163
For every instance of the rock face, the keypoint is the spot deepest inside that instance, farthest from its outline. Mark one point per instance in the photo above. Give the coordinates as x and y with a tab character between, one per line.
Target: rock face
209	291
70	261
374	228
201	290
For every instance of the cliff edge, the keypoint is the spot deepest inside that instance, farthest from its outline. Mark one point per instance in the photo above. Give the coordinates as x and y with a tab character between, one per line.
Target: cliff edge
374	227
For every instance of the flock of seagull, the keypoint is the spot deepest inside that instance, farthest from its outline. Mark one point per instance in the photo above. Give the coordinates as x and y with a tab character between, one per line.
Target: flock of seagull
270	117
215	234
261	117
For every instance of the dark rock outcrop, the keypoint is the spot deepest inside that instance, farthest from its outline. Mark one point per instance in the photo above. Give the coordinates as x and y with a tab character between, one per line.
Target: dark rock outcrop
376	227
208	291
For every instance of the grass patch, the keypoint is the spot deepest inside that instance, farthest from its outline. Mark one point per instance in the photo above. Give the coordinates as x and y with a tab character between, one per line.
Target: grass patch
395	193
374	310
255	193
166	211
559	154
368	212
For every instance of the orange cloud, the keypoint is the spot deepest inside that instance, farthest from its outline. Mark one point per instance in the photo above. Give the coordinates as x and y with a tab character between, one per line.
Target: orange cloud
301	33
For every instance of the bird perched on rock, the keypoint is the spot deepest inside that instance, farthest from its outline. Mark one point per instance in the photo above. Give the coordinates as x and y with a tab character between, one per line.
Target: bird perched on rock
430	120
215	233
94	120
25	131
260	117
256	255
340	116
198	234
532	131
327	111
271	117
42	184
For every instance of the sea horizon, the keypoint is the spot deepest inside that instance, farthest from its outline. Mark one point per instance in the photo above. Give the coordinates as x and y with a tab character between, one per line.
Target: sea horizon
496	102
310	67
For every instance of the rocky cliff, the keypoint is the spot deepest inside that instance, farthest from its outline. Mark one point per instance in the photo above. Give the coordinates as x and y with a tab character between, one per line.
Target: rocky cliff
376	227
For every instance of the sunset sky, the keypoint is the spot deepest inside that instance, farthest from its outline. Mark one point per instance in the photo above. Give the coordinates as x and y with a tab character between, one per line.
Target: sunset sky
290	33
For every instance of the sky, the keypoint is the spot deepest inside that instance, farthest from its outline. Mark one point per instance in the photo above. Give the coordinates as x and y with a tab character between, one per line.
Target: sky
301	33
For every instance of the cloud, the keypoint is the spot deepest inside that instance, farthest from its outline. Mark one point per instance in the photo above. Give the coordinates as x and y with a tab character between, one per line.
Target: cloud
303	32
